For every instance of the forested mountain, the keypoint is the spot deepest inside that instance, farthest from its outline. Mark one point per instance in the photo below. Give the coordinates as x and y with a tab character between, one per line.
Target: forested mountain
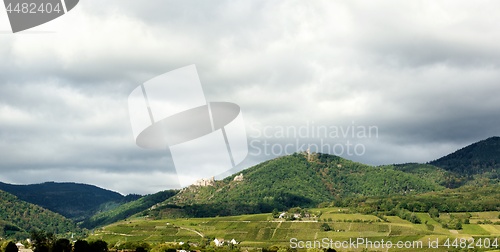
478	158
18	218
127	209
294	180
72	200
433	173
301	179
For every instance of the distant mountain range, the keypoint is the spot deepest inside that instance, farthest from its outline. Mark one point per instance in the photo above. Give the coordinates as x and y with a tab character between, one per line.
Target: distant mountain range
72	200
478	158
300	179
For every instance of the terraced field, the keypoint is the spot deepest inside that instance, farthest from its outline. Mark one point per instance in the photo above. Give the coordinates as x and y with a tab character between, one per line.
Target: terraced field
262	231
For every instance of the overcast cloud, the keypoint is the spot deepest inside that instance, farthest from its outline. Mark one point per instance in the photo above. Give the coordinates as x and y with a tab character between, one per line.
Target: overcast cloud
424	73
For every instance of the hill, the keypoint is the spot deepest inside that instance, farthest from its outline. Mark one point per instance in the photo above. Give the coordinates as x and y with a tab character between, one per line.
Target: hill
18	218
72	200
482	158
433	173
291	181
261	231
128	209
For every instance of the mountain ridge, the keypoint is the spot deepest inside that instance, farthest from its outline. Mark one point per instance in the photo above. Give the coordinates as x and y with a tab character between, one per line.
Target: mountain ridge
330	178
76	201
292	181
477	158
300	179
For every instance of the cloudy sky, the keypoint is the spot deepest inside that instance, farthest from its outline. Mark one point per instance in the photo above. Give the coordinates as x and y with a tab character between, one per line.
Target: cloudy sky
413	80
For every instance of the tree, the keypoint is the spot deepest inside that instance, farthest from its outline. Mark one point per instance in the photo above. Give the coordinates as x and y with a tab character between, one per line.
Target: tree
434	212
275	213
325	227
62	245
42	241
414	219
11	247
98	246
81	246
329	250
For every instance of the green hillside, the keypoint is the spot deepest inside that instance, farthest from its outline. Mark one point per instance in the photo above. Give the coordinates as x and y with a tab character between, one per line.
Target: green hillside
463	199
18	218
262	231
306	181
291	181
72	200
127	209
482	158
433	173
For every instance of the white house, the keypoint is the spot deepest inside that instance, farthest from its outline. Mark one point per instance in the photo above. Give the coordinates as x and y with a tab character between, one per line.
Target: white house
233	241
219	242
282	215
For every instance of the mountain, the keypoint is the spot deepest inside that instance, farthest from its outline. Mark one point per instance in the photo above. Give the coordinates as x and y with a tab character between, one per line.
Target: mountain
482	157
308	180
72	200
433	173
127	209
289	181
300	179
18	218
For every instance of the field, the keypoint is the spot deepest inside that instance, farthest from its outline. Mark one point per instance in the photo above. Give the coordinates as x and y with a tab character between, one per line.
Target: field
262	231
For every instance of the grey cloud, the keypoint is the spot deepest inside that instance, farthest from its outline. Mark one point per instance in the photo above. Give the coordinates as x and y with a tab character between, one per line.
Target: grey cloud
425	73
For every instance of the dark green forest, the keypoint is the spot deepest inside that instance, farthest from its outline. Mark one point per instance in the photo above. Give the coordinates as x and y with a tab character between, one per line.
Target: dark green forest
72	200
18	218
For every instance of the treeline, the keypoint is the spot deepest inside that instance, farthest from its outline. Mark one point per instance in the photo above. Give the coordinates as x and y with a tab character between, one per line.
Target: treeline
461	200
41	241
464	199
47	242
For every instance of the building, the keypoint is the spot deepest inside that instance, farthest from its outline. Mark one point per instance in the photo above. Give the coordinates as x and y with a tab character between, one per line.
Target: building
239	177
205	182
20	246
219	242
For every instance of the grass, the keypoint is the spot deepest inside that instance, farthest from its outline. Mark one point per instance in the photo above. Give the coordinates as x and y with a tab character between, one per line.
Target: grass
473	230
261	230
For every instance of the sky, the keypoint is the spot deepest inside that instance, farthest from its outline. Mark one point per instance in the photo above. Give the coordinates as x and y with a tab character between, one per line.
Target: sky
376	82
